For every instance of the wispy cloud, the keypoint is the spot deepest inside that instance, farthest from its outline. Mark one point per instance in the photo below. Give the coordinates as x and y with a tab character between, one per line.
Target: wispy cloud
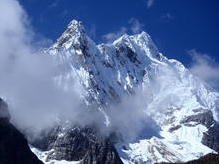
150	3
26	75
54	4
134	26
205	67
167	17
114	35
64	13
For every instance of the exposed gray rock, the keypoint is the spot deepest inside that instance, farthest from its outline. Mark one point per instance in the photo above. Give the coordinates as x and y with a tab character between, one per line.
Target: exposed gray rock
205	118
211	137
4	113
83	144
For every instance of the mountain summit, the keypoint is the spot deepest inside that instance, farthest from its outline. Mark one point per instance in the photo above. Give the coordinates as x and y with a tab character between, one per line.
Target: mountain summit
133	86
74	34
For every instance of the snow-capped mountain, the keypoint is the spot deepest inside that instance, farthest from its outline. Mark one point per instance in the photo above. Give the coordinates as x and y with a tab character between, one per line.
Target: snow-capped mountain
180	105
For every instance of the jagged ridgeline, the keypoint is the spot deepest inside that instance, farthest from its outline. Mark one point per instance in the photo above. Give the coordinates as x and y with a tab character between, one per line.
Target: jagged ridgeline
150	109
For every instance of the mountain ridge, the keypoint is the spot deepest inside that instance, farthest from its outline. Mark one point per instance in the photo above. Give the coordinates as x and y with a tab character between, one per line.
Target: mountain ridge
159	88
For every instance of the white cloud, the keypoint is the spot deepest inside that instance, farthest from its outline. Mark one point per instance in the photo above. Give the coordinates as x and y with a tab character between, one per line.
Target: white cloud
92	31
205	67
114	35
150	3
136	26
54	4
130	118
26	77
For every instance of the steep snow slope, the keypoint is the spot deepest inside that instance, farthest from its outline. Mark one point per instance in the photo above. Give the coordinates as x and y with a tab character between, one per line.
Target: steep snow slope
132	65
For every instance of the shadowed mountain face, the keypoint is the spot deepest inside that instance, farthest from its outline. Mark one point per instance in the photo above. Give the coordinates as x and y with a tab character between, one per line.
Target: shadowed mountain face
207	159
83	144
76	144
14	147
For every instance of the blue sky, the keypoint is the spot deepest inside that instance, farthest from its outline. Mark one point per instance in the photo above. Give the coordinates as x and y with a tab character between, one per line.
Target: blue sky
176	26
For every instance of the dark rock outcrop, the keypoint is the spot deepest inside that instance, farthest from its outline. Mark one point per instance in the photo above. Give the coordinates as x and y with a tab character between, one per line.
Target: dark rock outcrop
83	144
102	153
211	137
4	113
14	147
207	159
205	118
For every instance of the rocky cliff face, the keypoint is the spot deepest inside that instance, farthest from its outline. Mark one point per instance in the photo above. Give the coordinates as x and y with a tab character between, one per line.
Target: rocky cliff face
14	147
84	144
211	137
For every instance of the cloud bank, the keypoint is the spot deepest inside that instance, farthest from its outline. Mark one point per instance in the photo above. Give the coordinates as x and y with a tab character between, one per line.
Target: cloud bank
27	81
26	76
205	67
